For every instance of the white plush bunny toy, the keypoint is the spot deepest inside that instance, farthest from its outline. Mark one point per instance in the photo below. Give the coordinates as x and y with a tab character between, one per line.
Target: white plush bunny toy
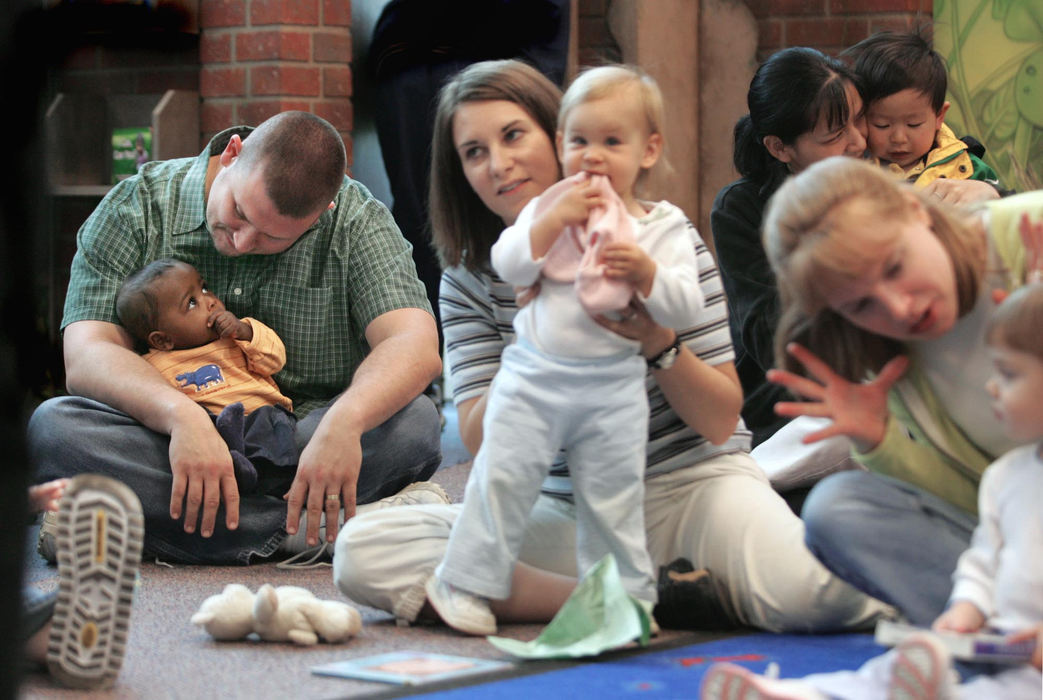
286	613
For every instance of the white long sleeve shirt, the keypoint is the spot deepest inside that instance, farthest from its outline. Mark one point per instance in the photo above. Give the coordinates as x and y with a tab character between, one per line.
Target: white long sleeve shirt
1001	572
557	324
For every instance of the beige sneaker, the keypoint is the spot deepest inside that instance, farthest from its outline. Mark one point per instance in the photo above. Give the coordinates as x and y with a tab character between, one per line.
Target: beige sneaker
463	611
305	556
46	544
418	493
98	538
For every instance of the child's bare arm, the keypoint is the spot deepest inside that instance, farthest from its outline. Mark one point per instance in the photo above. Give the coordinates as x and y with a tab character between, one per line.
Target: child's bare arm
962	616
228	326
45	496
627	261
571	208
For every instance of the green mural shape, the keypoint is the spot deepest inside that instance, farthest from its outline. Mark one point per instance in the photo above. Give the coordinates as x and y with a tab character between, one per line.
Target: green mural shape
1028	89
1023	19
994	54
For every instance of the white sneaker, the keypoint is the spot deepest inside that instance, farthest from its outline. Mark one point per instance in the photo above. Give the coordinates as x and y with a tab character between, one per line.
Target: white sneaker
417	493
922	669
98	537
459	609
724	681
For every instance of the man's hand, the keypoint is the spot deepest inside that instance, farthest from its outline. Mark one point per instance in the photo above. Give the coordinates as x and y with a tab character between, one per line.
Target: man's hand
228	326
403	359
327	475
100	364
858	411
203	475
628	261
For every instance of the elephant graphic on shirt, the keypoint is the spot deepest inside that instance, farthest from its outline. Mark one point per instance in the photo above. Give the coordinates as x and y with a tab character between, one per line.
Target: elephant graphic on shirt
202	377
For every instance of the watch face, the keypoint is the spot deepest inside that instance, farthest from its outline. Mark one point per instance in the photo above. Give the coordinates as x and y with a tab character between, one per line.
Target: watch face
668	358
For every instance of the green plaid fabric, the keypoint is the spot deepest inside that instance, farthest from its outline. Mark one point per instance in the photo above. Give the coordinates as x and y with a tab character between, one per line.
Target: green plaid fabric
350	267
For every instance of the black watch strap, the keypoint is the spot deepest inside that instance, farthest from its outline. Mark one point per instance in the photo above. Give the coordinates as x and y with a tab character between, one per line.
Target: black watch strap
666	358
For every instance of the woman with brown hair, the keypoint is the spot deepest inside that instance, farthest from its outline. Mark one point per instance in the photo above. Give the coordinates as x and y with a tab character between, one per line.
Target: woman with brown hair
706	500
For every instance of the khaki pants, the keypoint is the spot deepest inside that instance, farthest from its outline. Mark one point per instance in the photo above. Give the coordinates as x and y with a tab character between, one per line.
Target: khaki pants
721	514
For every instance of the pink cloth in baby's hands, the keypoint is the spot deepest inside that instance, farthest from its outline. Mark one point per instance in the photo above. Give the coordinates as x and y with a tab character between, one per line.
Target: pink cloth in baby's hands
575	255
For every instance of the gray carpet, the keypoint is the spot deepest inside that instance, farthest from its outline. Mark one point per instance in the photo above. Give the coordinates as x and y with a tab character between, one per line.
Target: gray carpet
168	657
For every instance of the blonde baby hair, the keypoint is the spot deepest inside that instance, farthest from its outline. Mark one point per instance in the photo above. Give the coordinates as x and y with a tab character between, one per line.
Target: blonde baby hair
1017	323
602	81
811	253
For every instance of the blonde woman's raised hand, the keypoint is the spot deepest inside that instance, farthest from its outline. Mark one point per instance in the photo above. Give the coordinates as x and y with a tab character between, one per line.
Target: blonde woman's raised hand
857	410
1032	243
1032	239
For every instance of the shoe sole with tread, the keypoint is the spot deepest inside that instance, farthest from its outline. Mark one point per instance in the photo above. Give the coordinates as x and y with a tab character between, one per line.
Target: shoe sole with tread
98	541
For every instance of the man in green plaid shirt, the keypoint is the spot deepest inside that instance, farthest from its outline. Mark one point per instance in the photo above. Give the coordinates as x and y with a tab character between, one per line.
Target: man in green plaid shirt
280	234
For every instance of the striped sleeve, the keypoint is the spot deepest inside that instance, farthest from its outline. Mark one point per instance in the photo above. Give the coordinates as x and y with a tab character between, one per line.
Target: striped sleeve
476	311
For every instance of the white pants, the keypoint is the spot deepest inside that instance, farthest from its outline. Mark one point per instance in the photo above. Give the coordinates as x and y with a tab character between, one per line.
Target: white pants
871	681
721	514
538	404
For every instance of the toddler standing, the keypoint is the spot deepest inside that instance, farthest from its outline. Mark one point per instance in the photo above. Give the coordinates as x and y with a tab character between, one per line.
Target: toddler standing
567	382
998	583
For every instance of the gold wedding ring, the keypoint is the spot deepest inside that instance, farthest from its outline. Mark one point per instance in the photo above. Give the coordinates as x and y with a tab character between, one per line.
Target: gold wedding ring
332	496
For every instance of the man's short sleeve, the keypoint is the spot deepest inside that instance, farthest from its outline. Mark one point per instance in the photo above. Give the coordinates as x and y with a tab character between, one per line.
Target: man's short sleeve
109	247
382	275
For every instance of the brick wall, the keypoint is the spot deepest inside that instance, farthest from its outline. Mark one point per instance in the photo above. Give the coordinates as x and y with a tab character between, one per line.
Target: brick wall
261	57
832	25
828	25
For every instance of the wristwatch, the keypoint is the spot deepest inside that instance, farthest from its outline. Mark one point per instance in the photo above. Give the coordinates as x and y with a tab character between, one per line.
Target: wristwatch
667	358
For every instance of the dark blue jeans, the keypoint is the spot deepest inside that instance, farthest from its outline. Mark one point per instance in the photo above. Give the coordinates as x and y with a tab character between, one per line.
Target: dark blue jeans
72	435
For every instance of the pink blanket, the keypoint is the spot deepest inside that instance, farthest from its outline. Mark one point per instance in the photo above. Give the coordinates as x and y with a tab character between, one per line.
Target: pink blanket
575	255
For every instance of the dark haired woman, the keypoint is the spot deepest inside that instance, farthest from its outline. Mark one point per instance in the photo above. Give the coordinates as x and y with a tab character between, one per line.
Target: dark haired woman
804	106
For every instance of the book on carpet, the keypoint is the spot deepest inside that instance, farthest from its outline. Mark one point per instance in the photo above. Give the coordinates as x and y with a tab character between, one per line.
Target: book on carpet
409	667
993	648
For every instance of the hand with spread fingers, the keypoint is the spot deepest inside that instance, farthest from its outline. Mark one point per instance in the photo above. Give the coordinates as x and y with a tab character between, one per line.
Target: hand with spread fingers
325	483
1032	239
204	478
858	410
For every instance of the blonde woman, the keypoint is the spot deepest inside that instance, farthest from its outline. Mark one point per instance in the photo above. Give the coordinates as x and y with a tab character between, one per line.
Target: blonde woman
885	293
